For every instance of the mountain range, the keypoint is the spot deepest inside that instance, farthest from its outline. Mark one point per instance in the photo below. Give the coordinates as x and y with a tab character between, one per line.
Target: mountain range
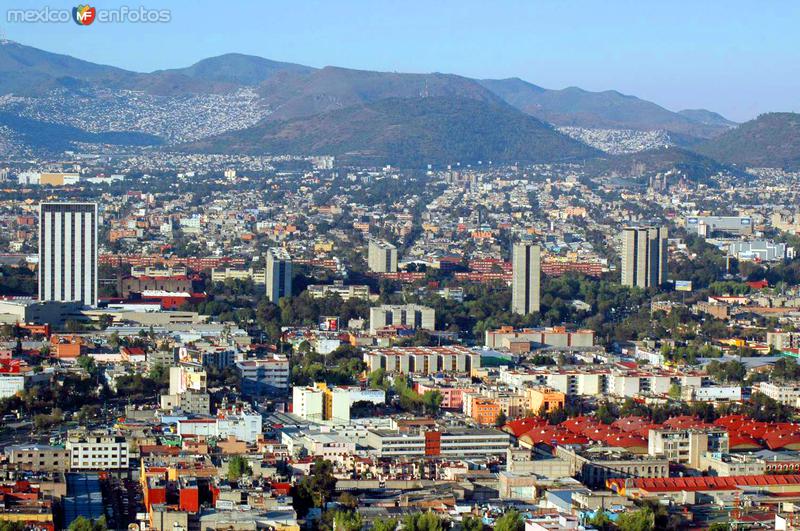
409	132
256	105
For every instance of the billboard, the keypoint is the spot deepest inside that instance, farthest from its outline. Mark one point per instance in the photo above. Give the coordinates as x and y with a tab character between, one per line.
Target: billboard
683	285
329	324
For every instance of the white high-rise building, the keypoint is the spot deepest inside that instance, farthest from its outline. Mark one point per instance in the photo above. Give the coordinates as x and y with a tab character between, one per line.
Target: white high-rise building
526	262
68	252
279	274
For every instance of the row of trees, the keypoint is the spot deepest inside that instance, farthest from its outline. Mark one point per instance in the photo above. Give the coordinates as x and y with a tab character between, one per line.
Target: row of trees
759	407
348	519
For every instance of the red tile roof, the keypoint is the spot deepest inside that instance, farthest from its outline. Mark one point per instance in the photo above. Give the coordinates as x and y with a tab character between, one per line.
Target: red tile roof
706	483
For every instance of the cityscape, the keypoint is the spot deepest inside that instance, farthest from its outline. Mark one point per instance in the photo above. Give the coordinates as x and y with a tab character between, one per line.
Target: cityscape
255	295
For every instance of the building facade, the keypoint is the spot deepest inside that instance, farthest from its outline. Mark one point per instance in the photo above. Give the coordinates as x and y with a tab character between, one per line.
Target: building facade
413	316
381	257
264	376
97	451
526	263
279	274
644	256
38	458
68	252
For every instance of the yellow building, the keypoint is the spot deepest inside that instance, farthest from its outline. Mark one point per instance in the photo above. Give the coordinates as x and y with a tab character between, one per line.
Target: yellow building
58	179
324	246
544	397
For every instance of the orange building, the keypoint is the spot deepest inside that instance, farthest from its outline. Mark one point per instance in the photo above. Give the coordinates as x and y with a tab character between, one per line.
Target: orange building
485	410
66	347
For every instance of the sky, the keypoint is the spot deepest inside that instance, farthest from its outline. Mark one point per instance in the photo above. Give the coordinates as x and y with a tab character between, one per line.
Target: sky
739	58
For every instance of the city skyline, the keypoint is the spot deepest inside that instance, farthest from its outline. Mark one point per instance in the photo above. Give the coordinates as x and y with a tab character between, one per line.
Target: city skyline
259	295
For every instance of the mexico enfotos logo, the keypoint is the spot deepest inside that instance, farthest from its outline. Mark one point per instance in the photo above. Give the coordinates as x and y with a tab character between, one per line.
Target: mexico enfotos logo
86	15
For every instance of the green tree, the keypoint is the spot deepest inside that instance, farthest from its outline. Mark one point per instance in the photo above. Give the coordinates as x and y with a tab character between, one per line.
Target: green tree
348	521
510	521
427	521
72	326
82	523
501	419
348	500
387	524
238	467
431	402
605	414
675	392
315	489
88	364
472	523
377	379
601	521
641	520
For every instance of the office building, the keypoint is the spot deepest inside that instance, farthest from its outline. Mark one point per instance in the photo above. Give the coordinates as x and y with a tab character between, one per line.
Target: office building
264	375
453	359
644	256
279	274
187	377
526	264
687	446
787	393
244	425
97	451
322	402
320	291
258	276
38	458
68	252
382	257
450	442
413	316
707	226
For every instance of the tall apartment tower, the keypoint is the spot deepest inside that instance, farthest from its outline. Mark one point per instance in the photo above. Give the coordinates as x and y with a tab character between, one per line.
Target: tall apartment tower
526	262
644	256
382	257
279	274
68	252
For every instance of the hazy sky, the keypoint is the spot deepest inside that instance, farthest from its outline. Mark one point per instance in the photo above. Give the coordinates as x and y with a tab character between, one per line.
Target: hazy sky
739	58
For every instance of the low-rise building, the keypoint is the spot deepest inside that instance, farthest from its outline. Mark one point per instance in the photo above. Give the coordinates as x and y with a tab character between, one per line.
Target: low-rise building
258	276
320	291
98	450
596	465
324	403
786	393
453	442
38	458
528	339
413	316
423	360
